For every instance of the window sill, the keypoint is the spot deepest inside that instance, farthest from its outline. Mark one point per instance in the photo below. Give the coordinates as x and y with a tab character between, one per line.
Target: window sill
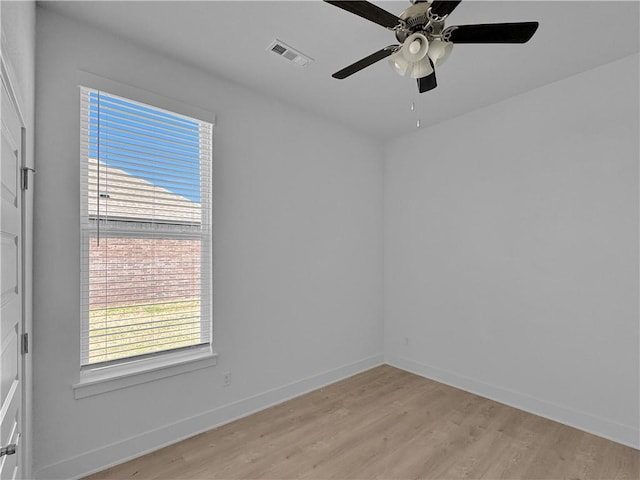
106	379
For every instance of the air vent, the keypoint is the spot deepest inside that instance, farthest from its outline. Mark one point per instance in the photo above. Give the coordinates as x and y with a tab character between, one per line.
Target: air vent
289	53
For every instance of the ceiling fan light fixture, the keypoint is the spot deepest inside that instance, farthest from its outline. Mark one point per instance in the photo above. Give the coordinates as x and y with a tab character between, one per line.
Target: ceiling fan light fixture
411	59
425	42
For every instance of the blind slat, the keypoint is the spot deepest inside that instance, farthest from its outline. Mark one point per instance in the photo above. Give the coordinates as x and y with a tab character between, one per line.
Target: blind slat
102	110
125	166
105	103
134	188
155	155
105	324
159	112
123	179
140	135
171	331
113	266
96	332
143	228
152	347
157	133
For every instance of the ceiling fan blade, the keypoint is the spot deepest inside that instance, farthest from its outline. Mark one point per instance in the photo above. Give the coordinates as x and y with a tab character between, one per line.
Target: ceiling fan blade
519	32
369	11
444	7
427	83
365	62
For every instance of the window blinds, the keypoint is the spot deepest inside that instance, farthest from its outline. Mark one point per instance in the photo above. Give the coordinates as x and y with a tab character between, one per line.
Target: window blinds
146	229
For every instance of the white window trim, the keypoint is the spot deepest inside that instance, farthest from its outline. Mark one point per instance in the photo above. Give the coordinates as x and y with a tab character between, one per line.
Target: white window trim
94	381
97	380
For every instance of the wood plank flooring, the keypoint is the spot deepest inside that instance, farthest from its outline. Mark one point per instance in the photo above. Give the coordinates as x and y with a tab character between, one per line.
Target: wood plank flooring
388	424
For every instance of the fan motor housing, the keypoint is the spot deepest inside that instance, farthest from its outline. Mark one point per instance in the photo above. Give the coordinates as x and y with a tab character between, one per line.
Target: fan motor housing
418	19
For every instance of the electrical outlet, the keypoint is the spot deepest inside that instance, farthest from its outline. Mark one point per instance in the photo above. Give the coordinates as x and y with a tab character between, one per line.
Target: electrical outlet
227	379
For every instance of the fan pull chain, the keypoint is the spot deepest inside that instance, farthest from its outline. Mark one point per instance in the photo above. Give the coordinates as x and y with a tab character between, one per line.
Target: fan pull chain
413	109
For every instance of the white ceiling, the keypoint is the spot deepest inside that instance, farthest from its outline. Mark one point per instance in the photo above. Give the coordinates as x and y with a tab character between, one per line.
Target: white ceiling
229	39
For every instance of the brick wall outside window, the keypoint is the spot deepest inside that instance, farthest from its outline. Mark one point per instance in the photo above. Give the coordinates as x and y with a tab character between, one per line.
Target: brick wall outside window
147	270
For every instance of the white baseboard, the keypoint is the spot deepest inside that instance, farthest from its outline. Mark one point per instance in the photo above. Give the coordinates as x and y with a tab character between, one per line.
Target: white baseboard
129	448
624	434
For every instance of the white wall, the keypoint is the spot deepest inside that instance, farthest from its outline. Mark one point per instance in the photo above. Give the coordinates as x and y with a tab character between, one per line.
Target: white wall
18	27
297	255
511	251
18	31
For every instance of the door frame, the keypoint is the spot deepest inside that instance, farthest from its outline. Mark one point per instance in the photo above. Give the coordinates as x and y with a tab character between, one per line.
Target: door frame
8	78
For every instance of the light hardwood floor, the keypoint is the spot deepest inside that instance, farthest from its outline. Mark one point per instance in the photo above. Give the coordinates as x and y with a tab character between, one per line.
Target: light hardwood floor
388	424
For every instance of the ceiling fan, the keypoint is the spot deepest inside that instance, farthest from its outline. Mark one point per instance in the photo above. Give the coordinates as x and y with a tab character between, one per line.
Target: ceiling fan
424	41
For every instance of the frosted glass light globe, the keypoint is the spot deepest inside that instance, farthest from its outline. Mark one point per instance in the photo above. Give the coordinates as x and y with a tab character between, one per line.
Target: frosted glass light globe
415	46
399	64
421	69
439	51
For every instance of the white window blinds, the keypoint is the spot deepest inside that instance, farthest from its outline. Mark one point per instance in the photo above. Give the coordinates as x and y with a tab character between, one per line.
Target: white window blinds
146	229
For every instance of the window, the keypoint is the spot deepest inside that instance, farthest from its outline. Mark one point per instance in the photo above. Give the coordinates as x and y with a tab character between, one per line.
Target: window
146	230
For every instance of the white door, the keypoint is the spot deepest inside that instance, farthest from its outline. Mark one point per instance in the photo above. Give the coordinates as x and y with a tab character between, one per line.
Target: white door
11	324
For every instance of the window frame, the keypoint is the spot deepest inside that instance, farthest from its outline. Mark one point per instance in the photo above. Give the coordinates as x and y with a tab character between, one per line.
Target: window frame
99	378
